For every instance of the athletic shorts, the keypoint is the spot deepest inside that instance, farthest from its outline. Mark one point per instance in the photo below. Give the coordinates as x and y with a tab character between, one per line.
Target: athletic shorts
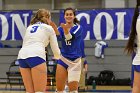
30	62
62	63
73	68
136	68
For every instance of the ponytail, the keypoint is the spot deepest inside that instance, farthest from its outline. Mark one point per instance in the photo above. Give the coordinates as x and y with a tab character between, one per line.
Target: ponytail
132	37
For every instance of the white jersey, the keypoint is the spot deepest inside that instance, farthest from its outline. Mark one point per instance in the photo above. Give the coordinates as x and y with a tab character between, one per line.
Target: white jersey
36	38
136	60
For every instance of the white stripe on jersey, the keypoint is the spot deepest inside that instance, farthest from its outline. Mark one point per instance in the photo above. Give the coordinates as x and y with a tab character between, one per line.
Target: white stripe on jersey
77	29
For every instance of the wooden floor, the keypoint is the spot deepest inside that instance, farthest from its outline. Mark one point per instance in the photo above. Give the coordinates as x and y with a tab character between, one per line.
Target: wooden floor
78	92
12	92
24	92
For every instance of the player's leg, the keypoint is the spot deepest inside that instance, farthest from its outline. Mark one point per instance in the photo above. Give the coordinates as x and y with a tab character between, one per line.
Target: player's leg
73	86
136	83
82	76
26	76
132	75
74	73
132	69
27	79
39	75
61	76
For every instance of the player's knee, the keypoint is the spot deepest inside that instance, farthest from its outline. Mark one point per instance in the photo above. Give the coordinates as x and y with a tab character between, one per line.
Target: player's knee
39	92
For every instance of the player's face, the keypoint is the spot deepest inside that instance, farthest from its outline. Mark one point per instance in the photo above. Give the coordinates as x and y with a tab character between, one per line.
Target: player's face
69	16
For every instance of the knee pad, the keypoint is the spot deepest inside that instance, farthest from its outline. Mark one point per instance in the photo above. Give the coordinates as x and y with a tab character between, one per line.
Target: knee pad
73	91
74	69
76	75
74	72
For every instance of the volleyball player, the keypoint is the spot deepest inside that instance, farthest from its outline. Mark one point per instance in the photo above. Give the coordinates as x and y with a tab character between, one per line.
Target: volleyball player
69	66
130	47
32	56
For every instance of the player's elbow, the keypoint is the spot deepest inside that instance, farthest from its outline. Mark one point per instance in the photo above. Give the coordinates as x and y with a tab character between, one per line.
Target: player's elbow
57	54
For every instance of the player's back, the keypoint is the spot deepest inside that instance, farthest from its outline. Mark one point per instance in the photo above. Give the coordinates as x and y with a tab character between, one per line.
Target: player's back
36	38
37	35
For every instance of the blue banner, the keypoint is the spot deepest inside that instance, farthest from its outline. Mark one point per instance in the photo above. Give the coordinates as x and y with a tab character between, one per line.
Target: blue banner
104	24
13	24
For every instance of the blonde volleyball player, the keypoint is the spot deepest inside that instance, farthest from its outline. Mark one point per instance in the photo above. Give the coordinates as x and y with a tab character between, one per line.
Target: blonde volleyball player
135	36
32	56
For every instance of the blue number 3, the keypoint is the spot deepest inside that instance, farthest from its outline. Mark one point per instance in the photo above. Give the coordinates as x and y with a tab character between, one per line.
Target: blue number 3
34	29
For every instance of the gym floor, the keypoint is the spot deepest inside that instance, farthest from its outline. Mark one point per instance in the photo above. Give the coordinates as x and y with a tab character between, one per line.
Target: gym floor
79	92
99	89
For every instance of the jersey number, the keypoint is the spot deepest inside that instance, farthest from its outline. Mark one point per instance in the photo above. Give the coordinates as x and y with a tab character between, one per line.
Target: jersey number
68	42
34	29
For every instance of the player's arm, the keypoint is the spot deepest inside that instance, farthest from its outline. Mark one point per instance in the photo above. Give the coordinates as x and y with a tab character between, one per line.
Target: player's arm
78	31
54	45
54	26
86	65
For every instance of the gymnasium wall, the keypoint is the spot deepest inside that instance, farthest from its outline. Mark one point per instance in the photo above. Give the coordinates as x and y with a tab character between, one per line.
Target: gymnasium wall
115	58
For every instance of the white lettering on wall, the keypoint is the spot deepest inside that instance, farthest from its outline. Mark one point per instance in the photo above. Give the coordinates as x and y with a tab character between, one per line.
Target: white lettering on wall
120	25
4	26
97	26
16	20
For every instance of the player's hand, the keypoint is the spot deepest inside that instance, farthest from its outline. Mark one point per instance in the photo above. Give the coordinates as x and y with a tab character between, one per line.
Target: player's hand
54	26
48	21
51	23
65	26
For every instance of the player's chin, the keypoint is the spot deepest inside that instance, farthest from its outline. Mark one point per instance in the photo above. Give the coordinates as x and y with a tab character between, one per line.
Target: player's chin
69	21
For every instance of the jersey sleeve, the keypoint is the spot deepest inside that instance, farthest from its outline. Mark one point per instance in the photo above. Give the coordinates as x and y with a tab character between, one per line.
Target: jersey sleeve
54	44
78	31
